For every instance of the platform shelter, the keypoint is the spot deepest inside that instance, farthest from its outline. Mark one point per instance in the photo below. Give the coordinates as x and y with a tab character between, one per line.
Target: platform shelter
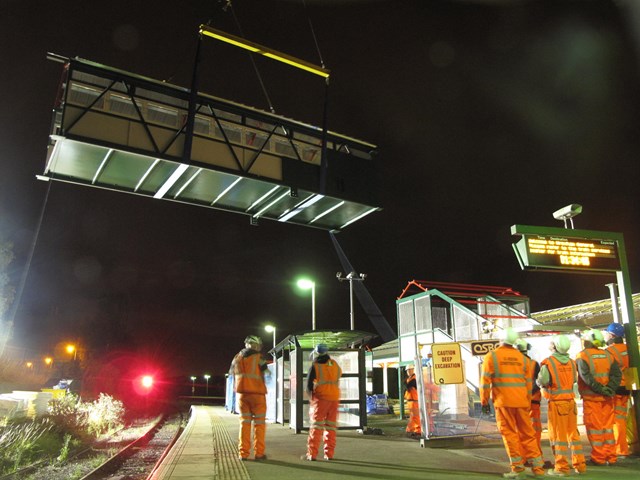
289	403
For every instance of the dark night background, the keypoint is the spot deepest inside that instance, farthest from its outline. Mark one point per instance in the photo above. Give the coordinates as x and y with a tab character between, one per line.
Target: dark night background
486	114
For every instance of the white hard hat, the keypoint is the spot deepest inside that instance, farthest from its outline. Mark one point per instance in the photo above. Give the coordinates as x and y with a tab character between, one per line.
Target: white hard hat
509	336
594	336
562	343
253	340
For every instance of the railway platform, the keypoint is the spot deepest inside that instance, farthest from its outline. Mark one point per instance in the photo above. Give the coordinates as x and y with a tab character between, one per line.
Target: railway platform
207	450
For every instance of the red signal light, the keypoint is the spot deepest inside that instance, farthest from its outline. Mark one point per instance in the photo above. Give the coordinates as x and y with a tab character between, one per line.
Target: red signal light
147	381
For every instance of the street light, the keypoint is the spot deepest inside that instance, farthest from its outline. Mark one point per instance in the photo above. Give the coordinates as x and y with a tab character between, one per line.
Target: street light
306	284
272	329
207	377
351	277
72	350
193	385
48	361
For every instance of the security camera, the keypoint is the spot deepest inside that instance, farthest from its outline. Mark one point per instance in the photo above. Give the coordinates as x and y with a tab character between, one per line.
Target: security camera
339	275
569	211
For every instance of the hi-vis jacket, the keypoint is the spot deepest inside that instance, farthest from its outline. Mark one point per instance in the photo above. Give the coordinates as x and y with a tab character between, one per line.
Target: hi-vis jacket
411	393
324	379
596	369
507	377
620	354
558	374
247	368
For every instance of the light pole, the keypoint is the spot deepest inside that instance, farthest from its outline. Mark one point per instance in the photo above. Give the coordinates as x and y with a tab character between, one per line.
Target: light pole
193	385
351	277
48	361
207	377
306	284
272	329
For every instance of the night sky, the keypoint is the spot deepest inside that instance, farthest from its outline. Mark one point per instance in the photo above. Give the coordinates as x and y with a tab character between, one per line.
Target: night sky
486	114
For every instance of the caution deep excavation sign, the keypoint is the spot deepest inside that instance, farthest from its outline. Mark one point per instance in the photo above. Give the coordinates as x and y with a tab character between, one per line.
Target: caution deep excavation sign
447	363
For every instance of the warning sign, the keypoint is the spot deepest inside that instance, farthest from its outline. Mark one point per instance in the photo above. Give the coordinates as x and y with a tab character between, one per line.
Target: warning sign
447	363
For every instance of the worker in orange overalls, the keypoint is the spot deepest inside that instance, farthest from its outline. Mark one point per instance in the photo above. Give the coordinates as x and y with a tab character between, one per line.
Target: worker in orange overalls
323	386
599	376
413	429
506	378
558	374
614	336
248	368
523	346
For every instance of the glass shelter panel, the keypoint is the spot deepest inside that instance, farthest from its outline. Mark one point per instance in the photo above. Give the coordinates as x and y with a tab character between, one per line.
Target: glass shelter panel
465	324
451	410
423	313
406	322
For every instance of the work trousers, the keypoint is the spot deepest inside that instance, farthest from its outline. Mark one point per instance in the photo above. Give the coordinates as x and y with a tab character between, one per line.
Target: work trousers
564	436
414	417
536	423
620	411
253	409
519	438
323	415
598	420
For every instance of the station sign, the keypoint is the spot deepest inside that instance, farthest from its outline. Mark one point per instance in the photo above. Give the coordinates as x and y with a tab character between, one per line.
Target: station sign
482	347
447	363
564	251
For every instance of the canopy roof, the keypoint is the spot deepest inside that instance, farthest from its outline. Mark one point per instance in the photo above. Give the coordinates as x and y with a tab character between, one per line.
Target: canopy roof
334	339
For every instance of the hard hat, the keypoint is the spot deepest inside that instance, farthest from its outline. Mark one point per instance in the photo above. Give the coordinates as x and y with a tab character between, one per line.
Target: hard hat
522	345
253	340
594	336
562	343
411	366
616	329
509	336
321	349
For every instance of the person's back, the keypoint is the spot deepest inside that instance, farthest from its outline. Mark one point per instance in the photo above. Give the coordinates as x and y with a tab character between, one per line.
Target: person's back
614	336
248	369
598	377
323	386
558	374
507	379
508	375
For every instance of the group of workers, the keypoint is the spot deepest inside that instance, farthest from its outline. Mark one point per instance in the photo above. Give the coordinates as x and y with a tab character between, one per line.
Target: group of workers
513	381
516	383
323	386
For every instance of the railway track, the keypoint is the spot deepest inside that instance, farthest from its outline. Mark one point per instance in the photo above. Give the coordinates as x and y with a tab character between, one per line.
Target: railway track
117	458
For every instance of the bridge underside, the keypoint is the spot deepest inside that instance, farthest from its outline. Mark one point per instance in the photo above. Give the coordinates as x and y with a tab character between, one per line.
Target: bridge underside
119	131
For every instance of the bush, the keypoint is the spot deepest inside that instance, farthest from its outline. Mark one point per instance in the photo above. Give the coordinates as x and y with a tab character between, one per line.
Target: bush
104	415
69	415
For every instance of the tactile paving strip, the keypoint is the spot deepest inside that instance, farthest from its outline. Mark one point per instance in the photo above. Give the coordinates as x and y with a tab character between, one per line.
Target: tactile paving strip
225	450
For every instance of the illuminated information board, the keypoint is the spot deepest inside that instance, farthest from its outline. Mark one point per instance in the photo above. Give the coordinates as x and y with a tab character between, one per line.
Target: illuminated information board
560	252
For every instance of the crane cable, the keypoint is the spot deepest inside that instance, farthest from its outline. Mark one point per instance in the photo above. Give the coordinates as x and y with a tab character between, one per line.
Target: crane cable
313	34
229	4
